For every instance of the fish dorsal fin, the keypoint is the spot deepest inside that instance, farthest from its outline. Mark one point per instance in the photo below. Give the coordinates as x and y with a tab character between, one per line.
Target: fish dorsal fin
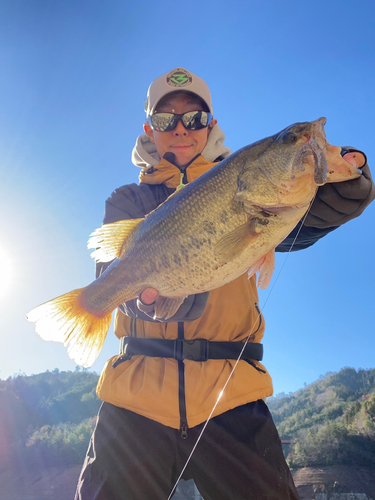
235	242
109	239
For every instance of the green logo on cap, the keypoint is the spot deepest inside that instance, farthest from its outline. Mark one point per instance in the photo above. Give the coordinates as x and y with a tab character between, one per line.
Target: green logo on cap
179	78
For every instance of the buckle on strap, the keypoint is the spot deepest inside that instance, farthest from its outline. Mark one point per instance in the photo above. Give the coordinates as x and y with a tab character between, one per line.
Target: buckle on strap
196	350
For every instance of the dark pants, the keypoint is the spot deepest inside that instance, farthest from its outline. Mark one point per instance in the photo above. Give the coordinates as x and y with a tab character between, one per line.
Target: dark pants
239	457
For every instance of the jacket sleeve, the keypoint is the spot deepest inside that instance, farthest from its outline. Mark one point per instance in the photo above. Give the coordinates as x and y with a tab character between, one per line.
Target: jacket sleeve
334	205
133	202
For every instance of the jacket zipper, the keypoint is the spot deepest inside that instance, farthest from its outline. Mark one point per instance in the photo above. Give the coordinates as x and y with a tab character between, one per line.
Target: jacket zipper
180	363
181	388
260	316
184	167
181	379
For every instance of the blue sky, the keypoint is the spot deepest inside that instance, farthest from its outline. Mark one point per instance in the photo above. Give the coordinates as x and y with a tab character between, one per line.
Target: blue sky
73	79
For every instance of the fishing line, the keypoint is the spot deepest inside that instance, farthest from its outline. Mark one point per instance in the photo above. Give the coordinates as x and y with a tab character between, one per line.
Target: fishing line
287	254
240	355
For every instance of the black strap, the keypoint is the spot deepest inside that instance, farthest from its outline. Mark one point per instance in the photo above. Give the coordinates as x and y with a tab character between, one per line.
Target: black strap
196	350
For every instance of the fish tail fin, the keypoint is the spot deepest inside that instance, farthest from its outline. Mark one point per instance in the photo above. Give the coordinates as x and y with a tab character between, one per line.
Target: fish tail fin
65	319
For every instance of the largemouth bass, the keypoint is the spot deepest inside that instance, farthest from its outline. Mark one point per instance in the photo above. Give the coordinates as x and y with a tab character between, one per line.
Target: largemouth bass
226	222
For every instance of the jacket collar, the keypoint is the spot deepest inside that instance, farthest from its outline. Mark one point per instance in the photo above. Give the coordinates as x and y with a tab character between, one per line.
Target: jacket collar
165	172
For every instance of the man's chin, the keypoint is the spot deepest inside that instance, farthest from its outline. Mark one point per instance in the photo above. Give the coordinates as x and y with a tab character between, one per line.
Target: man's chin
183	159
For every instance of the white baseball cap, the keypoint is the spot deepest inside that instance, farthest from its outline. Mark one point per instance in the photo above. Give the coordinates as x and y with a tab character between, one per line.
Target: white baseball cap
176	80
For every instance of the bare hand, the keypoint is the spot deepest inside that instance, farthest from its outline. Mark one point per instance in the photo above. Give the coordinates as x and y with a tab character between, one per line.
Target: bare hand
148	296
355	158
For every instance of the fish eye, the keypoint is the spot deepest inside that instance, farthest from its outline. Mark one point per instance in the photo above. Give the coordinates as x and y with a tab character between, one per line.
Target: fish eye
289	138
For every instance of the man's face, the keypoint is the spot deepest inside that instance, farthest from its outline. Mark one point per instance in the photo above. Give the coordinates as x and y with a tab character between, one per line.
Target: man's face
185	144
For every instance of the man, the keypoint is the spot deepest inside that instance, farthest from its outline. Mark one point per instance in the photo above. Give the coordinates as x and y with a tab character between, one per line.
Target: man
156	401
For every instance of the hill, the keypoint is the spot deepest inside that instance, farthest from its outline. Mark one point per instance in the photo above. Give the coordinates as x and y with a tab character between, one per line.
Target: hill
47	418
330	422
46	421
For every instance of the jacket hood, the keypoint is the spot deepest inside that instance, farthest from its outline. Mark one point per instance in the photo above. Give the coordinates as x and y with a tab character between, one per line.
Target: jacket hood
144	153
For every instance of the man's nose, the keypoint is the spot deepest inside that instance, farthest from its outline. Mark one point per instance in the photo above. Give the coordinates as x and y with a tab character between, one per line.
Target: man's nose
180	129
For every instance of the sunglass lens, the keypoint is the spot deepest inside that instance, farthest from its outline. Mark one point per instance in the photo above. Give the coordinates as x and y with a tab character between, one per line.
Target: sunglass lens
164	122
196	120
192	120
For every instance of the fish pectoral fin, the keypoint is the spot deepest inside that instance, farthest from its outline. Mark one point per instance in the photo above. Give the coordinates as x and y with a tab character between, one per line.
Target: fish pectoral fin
166	307
264	267
255	268
109	239
235	242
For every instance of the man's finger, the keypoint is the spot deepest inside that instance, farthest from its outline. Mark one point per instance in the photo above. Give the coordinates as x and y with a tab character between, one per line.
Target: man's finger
148	296
356	158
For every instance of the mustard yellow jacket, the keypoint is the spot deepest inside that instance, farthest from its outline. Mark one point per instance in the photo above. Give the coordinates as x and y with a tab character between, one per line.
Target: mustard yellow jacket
152	386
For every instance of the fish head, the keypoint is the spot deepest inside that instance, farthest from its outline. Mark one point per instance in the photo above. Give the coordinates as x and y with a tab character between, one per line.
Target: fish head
312	154
286	169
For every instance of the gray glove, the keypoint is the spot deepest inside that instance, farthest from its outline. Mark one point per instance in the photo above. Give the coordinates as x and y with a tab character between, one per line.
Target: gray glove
192	308
341	202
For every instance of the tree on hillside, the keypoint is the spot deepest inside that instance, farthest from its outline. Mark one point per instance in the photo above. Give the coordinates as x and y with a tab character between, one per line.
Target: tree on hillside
331	421
47	418
60	444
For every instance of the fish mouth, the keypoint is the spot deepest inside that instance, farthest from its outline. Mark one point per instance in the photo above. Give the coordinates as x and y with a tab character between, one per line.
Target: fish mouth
311	154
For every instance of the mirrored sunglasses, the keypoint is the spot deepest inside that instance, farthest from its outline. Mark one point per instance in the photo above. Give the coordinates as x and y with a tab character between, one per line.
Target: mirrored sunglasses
192	120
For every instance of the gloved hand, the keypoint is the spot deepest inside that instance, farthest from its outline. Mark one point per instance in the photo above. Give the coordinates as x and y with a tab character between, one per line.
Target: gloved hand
340	202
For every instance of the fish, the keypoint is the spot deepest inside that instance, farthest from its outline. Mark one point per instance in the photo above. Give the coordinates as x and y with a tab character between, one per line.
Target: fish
225	223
